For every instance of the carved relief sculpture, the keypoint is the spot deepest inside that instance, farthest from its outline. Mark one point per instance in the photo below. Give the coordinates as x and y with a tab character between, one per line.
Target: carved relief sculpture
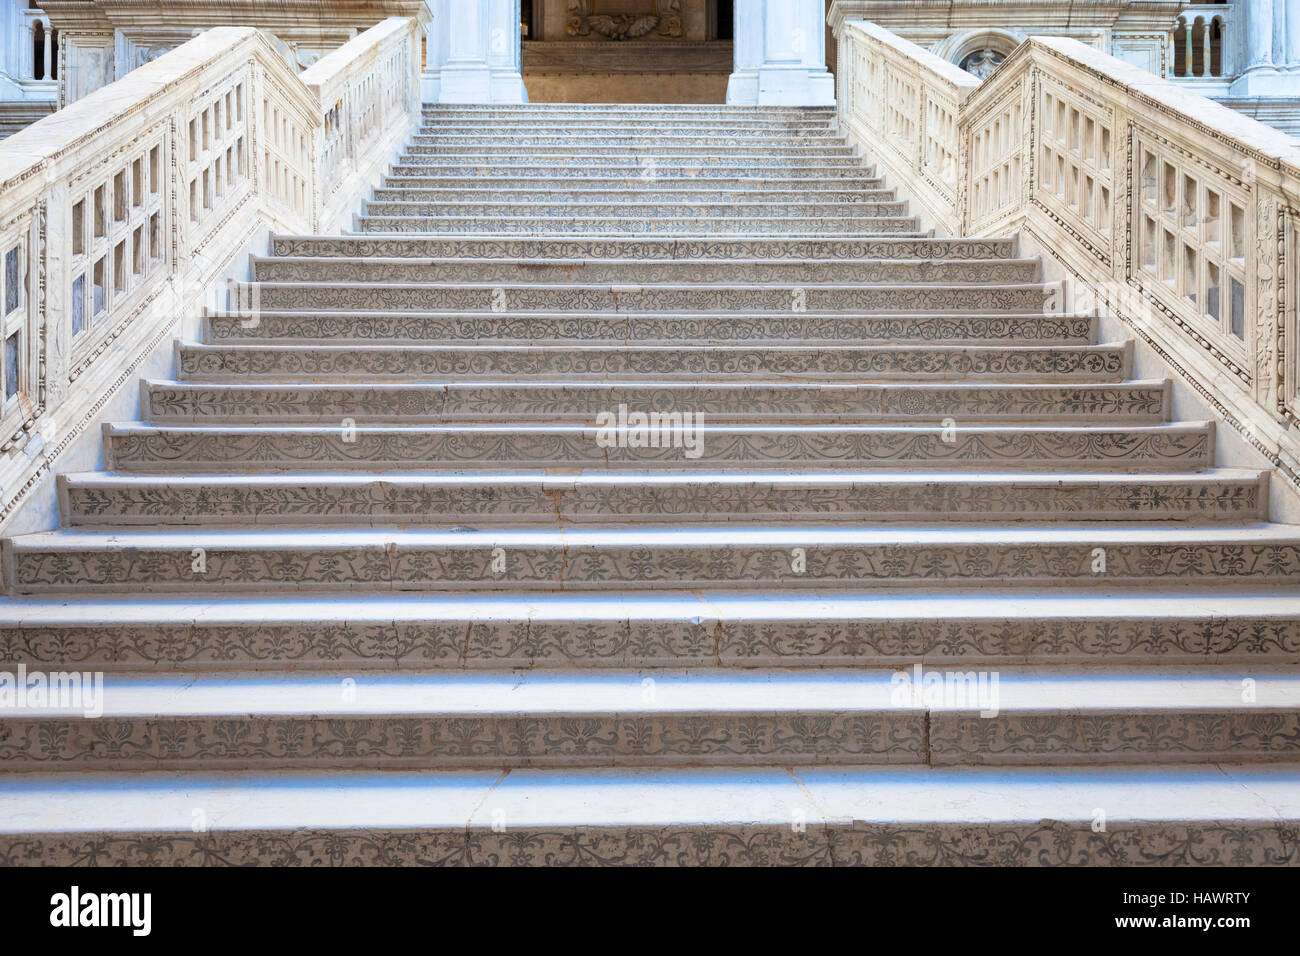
584	20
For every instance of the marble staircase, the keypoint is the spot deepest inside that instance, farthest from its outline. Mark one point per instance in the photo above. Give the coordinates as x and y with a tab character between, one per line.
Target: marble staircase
369	583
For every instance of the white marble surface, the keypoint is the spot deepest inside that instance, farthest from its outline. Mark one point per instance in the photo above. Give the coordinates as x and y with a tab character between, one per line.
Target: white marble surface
228	801
540	693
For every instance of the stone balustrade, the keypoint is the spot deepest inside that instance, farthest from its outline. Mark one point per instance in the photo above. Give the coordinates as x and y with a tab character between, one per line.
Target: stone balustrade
130	210
40	34
1171	214
1201	46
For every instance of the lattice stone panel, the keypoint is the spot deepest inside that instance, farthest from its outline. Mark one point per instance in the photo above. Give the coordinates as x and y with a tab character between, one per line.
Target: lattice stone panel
118	234
942	141
997	161
217	138
901	103
1192	237
1075	176
286	158
14	315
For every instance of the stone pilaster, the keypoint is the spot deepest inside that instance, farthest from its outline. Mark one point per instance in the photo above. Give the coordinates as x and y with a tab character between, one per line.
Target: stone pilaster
780	55
474	53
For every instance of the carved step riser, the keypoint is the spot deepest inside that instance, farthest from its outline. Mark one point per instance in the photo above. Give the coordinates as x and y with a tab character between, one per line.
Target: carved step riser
677	163
577	403
1020	299
433	126
489	115
630	175
1133	447
168	502
515	644
684	186
704	251
848	228
644	329
515	143
831	212
214	363
632	739
878	272
793	126
1187	842
396	191
568	564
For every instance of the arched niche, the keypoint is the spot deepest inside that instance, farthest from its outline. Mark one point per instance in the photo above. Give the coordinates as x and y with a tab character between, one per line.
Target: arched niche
978	51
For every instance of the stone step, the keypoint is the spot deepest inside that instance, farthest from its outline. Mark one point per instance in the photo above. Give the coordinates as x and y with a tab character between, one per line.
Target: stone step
641	164
720	401
512	142
630	191
483	180
644	271
653	153
103	500
646	328
612	120
620	175
681	556
1243	815
512	118
491	114
1167	447
697	297
733	629
703	250
563	211
621	718
641	131
863	227
1096	363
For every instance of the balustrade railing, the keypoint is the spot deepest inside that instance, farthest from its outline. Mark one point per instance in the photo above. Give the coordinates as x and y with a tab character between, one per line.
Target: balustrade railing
1200	42
126	212
40	57
1177	215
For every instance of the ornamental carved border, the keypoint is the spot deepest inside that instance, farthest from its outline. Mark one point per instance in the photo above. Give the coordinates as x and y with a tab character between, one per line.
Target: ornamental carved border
584	20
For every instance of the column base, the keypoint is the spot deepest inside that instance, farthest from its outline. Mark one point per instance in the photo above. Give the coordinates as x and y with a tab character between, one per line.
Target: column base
1266	81
473	85
781	86
742	88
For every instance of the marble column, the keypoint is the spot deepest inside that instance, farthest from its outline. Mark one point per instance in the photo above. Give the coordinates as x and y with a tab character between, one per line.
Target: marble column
781	55
1259	75
474	53
1291	49
15	43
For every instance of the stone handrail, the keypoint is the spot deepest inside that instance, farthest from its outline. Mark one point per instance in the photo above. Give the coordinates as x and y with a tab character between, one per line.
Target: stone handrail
906	103
1160	208
124	214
